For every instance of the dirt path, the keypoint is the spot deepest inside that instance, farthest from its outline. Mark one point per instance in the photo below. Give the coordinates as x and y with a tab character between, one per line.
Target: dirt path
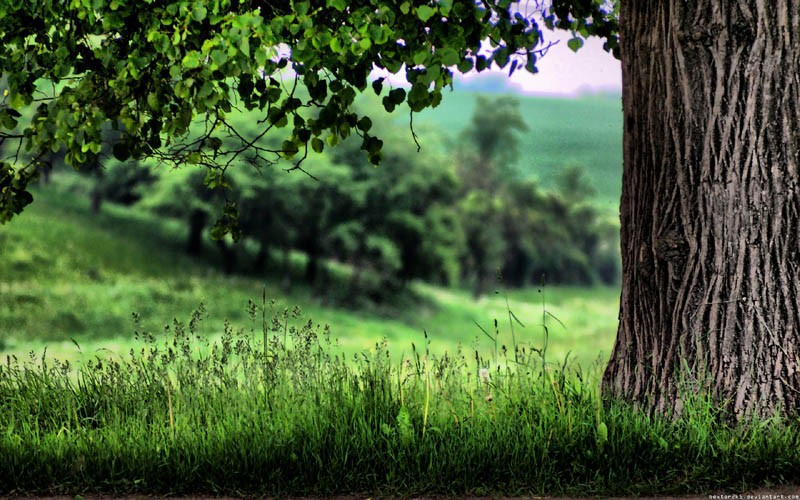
775	493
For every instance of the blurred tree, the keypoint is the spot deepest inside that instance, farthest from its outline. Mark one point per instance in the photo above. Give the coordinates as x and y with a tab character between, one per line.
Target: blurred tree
513	228
268	208
185	195
489	145
124	183
485	245
410	202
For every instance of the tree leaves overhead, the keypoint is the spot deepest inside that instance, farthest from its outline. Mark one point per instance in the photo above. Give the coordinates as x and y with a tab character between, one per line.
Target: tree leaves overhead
168	73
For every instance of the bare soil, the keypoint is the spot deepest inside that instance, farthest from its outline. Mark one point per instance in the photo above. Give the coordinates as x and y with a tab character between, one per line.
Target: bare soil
784	492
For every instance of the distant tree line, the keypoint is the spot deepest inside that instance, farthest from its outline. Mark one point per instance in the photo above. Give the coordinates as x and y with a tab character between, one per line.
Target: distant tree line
450	215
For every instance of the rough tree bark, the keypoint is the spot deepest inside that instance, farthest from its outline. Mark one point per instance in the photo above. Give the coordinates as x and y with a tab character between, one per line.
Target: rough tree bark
710	202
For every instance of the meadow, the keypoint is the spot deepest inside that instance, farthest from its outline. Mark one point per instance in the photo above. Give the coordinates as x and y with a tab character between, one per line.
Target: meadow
130	367
70	274
270	411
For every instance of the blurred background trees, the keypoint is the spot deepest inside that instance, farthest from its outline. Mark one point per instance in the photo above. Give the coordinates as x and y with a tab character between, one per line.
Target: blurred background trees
456	213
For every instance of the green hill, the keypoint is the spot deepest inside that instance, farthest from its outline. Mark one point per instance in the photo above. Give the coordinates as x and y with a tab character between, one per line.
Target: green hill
66	273
585	131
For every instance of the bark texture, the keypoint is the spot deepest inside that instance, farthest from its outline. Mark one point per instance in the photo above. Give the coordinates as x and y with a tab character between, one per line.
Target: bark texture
710	202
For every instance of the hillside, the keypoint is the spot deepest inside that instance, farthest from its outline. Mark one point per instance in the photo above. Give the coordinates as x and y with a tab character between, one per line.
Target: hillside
68	274
585	131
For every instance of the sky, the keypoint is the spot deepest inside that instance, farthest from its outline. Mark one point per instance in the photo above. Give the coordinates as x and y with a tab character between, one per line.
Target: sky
562	72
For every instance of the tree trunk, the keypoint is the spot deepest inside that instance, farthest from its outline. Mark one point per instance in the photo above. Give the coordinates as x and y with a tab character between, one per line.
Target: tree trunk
286	282
194	241
710	202
228	257
97	200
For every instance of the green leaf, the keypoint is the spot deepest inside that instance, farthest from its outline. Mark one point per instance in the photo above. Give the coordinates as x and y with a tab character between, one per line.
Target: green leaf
339	5
152	101
364	124
418	97
317	145
481	63
377	86
449	56
424	12
289	148
6	119
466	65
199	12
397	96
379	34
530	66
191	60
261	57
220	57
421	56
301	8
602	433
501	56
575	44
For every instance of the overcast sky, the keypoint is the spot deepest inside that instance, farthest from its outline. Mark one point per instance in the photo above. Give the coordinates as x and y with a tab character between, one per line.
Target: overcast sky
562	72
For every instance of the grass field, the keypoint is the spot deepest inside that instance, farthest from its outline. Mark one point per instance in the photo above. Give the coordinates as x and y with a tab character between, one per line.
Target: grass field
270	404
151	373
276	414
66	274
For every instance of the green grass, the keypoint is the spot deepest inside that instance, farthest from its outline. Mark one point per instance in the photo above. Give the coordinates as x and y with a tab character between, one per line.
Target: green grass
66	274
584	132
269	411
271	403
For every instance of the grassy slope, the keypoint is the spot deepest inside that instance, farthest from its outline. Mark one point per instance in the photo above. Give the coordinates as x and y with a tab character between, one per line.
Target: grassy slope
66	274
586	132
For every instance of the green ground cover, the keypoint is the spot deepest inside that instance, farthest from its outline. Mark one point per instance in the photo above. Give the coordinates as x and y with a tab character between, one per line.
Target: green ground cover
272	412
460	398
68	274
451	403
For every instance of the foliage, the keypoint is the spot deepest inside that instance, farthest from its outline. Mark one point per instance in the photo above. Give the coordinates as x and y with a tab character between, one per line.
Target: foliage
389	225
457	218
152	72
125	182
490	143
583	132
513	228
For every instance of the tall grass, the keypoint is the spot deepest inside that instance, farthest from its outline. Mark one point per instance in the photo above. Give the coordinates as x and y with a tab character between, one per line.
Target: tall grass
274	410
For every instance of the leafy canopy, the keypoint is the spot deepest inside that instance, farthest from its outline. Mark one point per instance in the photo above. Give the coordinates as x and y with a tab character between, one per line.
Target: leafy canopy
167	74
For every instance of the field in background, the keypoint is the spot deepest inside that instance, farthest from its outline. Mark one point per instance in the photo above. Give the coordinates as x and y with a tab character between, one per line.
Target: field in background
68	274
200	408
584	132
